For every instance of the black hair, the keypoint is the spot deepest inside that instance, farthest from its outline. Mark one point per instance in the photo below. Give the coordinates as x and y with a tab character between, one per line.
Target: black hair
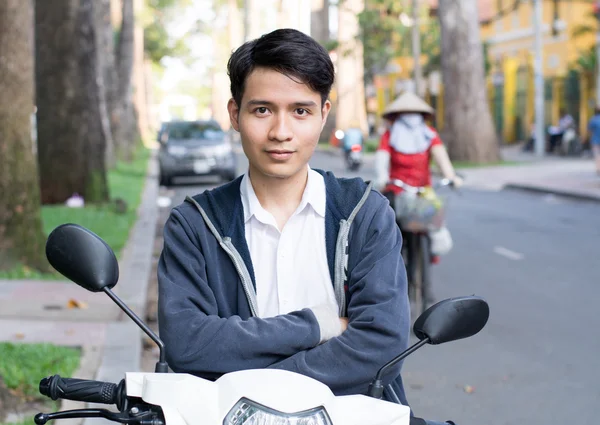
287	51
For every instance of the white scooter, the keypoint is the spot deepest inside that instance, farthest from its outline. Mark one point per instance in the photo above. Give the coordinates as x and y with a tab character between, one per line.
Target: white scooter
247	397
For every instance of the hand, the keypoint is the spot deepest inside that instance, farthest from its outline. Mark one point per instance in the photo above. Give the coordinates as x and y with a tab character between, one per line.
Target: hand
344	323
457	182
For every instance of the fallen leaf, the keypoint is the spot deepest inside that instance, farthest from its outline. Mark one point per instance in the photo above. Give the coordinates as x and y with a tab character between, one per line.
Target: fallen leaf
77	304
19	336
469	389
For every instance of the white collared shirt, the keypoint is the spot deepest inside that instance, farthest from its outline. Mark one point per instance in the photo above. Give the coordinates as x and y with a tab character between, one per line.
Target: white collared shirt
290	266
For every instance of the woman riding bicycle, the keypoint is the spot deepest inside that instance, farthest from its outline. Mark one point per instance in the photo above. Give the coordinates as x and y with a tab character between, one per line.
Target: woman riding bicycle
405	152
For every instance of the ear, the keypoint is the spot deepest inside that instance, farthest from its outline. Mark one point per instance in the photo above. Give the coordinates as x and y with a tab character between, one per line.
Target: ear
234	114
325	113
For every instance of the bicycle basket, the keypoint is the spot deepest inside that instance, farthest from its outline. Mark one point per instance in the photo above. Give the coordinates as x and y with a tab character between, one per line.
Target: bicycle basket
418	213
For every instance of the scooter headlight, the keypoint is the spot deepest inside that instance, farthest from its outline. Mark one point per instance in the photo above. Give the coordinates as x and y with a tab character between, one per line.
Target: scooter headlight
248	412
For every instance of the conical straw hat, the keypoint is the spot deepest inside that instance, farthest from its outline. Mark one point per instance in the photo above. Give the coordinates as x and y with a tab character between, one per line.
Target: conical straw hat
408	102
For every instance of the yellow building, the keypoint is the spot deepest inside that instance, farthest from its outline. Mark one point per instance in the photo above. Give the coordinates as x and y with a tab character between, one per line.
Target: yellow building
507	29
510	38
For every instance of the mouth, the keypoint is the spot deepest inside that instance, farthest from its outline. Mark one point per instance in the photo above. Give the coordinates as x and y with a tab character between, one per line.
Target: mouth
280	154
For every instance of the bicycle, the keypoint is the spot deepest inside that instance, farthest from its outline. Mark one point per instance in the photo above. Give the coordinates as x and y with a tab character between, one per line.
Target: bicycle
418	213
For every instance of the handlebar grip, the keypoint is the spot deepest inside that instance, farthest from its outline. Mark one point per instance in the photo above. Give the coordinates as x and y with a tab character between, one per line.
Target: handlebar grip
85	390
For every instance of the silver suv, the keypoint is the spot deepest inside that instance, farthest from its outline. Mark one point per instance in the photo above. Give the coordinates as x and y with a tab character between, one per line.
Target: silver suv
194	148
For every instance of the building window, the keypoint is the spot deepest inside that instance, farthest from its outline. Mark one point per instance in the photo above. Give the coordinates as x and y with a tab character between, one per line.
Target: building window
515	19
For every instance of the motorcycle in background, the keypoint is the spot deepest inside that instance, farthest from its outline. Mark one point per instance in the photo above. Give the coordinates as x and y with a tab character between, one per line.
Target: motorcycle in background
351	141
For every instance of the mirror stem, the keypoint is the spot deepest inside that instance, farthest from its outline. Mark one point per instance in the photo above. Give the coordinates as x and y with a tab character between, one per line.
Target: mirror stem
161	365
376	387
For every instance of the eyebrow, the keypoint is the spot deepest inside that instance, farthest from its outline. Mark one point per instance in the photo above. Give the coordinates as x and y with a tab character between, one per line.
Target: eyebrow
304	104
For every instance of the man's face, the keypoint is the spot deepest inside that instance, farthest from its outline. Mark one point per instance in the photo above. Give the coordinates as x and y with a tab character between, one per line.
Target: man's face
279	121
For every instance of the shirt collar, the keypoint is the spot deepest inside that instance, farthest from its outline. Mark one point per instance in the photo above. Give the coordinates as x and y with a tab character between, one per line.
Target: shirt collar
314	195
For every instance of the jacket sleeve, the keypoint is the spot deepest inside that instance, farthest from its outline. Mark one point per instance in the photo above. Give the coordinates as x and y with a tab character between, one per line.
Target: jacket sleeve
378	313
197	339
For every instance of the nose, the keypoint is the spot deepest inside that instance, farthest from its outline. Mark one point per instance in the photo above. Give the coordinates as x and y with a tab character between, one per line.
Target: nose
281	130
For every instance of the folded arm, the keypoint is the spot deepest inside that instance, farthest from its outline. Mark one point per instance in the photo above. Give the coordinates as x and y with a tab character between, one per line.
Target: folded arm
197	339
378	314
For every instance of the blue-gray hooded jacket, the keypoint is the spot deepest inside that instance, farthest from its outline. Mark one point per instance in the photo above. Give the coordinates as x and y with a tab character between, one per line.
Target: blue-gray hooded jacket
207	299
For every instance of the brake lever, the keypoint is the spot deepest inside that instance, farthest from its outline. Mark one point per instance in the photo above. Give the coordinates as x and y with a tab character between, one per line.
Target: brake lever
42	418
134	416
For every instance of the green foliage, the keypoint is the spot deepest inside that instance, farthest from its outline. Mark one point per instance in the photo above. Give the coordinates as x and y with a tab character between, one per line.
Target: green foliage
586	61
380	30
22	366
126	182
384	36
157	41
587	58
158	44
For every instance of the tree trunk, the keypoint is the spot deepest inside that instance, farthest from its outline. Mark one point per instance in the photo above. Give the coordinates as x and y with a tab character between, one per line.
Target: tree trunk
468	127
21	236
140	99
109	74
351	105
319	21
416	49
126	129
71	134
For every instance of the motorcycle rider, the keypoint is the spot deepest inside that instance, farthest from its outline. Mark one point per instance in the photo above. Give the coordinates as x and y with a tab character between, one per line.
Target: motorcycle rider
352	136
286	267
405	152
557	133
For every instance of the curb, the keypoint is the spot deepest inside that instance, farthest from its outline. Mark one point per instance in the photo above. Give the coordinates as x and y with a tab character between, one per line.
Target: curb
122	350
549	191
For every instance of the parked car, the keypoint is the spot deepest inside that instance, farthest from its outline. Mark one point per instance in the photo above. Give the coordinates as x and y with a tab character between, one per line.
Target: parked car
194	148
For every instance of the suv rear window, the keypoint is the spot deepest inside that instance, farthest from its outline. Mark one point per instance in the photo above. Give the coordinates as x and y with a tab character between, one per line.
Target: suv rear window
194	130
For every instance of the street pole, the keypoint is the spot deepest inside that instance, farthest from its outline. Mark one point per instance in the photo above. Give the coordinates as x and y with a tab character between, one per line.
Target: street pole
416	48
540	139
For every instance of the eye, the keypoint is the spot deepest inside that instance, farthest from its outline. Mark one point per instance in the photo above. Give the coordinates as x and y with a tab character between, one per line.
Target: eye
261	110
302	111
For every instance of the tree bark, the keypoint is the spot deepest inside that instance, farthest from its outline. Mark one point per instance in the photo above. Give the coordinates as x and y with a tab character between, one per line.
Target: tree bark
416	49
109	74
127	133
71	132
319	21
21	237
468	130
350	85
140	100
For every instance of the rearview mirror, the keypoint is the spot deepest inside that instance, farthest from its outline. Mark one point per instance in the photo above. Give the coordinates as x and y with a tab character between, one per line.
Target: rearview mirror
452	319
83	257
448	320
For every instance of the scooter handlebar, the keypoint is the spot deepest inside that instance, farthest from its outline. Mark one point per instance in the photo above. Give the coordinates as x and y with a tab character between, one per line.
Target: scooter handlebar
84	390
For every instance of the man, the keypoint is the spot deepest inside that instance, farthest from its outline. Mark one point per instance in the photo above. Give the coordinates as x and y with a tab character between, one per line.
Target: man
594	130
286	267
565	122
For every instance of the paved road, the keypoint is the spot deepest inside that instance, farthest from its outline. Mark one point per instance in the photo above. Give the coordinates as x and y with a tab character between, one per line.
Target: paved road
532	257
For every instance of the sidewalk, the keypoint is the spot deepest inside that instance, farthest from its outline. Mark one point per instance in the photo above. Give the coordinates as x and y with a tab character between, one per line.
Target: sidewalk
111	344
570	177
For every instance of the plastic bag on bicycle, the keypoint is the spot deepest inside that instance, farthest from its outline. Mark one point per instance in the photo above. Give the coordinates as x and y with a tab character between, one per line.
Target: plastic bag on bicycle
419	212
